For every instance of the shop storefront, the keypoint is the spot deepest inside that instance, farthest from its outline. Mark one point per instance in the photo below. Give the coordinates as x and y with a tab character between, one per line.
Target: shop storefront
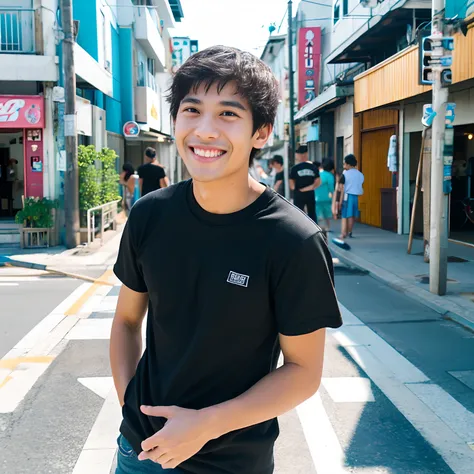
21	151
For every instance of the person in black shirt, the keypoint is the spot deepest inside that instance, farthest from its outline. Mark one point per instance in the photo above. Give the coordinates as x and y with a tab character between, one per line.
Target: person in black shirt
152	174
204	396
304	179
277	163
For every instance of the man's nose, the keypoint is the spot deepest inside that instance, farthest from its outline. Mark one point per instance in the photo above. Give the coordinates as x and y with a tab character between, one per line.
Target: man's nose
207	128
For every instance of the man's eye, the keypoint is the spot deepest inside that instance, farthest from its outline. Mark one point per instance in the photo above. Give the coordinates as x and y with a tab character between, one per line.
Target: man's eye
191	110
228	113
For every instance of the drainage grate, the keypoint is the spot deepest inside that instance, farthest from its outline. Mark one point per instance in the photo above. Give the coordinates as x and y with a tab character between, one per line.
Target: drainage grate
451	259
425	279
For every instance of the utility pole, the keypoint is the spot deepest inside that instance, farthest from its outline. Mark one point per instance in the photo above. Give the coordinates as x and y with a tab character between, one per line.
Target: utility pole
439	200
292	145
71	178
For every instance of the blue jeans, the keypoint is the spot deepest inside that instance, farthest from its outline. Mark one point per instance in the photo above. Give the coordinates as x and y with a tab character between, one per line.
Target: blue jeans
128	463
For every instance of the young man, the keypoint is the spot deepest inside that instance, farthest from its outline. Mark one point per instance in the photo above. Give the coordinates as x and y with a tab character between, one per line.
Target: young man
204	397
277	163
304	179
351	184
152	174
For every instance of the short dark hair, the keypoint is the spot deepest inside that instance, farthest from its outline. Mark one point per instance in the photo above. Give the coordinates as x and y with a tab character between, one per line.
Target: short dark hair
150	153
317	164
302	149
129	170
220	65
278	159
351	160
328	164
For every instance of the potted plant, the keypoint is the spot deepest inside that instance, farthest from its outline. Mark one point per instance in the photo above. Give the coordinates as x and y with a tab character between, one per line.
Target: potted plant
36	220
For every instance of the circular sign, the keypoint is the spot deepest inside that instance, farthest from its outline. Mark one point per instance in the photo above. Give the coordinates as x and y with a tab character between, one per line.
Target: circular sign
131	129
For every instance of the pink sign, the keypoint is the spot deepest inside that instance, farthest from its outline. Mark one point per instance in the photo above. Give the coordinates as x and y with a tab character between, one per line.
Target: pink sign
21	111
309	64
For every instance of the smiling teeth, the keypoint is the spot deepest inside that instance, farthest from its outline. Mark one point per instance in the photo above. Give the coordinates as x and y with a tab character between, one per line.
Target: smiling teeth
208	153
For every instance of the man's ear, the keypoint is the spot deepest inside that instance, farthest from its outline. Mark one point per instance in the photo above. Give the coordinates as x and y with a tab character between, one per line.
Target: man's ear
262	135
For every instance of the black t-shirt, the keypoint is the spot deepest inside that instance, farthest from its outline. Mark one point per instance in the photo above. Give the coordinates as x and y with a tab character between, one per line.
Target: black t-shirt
280	177
304	175
151	175
218	299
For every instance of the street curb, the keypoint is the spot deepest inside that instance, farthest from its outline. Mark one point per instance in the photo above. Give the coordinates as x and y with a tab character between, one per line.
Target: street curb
445	308
8	262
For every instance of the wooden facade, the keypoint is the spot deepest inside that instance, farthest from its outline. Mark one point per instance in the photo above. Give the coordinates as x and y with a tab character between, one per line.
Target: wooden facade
397	78
372	132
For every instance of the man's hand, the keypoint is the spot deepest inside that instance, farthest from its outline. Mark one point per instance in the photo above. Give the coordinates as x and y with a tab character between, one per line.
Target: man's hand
183	435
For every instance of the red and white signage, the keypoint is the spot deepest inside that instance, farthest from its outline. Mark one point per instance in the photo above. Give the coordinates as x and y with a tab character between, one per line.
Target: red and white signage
21	111
309	64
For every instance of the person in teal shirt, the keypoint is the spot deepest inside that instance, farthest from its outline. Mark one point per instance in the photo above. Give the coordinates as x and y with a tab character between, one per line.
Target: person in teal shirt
324	194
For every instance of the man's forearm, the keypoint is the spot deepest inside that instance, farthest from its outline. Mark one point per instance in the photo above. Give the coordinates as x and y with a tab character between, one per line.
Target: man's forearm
274	395
125	353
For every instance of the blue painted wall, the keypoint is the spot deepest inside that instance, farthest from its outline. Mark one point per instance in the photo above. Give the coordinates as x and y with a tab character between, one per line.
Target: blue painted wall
85	11
126	73
113	106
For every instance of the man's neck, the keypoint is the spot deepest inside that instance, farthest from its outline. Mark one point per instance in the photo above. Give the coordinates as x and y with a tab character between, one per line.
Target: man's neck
227	195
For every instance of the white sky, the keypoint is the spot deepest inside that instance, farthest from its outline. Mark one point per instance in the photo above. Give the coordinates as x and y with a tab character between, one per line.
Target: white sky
239	23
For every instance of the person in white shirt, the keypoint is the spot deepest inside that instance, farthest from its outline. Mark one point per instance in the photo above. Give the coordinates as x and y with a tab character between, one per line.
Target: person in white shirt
352	189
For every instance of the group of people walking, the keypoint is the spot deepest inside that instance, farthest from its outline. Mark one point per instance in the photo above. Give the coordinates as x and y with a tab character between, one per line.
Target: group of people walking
320	192
147	178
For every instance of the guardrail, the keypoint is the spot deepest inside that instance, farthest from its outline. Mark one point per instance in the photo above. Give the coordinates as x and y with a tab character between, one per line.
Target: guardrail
17	30
108	213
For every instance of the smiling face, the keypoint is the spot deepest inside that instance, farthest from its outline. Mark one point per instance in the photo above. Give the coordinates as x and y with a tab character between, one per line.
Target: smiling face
214	133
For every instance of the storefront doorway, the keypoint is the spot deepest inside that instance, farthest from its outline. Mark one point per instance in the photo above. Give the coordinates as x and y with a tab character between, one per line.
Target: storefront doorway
462	195
11	172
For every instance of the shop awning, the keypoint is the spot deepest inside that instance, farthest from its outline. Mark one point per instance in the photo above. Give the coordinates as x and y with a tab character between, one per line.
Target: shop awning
331	95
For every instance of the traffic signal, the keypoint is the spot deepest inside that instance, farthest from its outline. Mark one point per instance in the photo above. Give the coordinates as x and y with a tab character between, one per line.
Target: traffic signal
436	52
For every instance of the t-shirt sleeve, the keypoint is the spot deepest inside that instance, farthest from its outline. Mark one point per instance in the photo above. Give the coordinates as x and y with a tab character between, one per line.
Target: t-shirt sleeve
305	299
140	172
293	173
316	173
163	173
127	268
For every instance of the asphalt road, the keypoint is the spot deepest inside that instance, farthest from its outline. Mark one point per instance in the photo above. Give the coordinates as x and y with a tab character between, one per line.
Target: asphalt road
397	394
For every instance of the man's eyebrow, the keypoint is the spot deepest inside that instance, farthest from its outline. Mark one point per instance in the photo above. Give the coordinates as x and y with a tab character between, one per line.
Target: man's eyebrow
191	100
233	103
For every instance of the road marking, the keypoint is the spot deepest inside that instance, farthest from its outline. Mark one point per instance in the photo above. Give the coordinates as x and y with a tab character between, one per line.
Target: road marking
348	389
79	303
99	385
98	453
91	329
21	367
9	284
394	375
15	362
328	456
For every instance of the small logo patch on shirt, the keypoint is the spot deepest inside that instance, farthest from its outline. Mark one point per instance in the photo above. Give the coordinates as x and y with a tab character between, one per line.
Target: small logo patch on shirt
238	279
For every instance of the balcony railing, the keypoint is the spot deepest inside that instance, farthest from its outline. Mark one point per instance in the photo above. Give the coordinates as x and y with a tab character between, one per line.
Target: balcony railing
17	31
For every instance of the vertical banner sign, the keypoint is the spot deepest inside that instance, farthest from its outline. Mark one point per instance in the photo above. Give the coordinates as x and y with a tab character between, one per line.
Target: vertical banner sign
309	64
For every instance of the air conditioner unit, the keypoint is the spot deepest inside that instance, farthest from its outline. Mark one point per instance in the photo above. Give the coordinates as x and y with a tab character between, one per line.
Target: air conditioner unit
108	65
369	3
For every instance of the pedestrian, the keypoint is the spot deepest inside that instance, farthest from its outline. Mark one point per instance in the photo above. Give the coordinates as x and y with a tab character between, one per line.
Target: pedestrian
277	164
350	192
324	194
204	396
131	187
304	179
152	174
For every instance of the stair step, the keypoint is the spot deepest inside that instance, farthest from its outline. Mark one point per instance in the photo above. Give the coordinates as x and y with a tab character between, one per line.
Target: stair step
10	238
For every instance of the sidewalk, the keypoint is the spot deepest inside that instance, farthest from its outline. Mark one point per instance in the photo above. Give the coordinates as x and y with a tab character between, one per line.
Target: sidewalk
384	255
60	258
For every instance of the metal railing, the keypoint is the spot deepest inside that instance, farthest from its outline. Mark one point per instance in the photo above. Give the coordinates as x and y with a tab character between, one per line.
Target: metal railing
17	30
108	213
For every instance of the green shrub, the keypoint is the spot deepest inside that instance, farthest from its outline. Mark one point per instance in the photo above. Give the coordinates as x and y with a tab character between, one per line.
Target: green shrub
89	179
37	213
109	189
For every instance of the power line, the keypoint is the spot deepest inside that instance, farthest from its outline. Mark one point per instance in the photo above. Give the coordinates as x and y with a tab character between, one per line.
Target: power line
318	3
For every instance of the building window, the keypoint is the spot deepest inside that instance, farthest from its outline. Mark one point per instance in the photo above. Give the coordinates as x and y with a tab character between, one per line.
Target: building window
345	7
337	13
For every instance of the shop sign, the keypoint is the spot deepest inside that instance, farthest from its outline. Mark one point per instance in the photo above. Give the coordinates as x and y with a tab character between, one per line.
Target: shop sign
131	130
21	111
309	64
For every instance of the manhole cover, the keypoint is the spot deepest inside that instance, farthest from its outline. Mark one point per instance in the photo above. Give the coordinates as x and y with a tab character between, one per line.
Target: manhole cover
425	279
